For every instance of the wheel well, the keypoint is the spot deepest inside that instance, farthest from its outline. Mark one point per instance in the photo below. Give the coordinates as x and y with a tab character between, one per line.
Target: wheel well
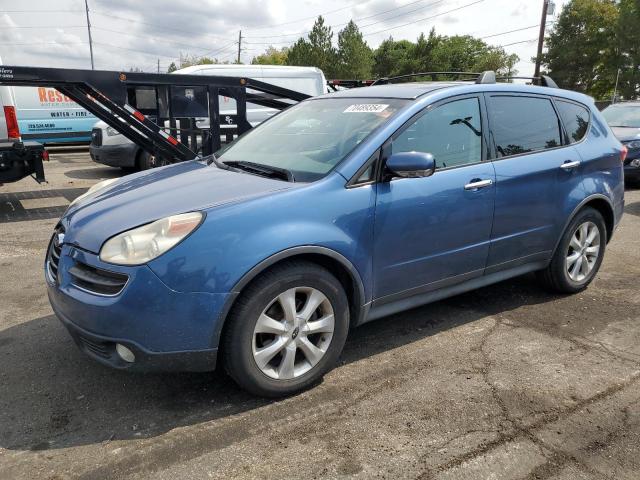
338	269
602	206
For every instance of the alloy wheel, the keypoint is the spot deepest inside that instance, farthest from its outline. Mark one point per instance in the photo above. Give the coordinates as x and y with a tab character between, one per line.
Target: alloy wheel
293	333
583	251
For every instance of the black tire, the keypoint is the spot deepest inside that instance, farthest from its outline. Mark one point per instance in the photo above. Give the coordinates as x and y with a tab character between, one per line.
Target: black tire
556	276
238	336
145	160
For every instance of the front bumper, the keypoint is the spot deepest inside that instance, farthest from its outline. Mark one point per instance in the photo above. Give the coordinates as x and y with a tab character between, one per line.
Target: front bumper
103	350
164	328
115	155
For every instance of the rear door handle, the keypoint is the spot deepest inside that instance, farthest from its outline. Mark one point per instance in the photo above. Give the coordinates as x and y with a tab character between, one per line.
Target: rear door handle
478	184
568	165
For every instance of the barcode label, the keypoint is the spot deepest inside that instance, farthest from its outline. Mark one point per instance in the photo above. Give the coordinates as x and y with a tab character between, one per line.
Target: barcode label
366	108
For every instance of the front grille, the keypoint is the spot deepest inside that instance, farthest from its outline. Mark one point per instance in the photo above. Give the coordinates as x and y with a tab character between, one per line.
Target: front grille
96	137
97	348
53	255
97	281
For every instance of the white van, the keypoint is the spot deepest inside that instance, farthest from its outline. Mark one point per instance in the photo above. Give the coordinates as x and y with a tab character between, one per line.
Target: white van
111	148
47	116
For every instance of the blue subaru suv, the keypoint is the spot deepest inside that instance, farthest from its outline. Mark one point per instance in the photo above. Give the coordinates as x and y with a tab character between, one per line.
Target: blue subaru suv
340	210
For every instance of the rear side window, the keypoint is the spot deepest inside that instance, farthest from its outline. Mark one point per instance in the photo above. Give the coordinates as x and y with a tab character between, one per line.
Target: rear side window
575	119
452	133
523	124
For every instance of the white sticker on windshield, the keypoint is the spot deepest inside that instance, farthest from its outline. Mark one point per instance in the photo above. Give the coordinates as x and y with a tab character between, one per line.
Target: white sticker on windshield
366	108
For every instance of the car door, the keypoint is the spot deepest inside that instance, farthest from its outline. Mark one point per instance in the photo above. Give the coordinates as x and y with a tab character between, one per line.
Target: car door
435	231
534	172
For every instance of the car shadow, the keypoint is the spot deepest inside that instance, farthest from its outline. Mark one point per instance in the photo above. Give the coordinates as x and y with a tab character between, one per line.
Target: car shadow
52	396
632	209
96	173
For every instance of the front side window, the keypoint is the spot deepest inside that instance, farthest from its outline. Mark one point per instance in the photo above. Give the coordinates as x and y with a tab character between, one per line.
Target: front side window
452	133
575	119
523	124
309	139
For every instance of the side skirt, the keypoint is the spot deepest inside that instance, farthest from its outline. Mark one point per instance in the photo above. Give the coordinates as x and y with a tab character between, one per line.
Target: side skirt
379	310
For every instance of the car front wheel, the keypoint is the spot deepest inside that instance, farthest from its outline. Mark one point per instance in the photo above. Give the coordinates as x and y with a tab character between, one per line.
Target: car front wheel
286	329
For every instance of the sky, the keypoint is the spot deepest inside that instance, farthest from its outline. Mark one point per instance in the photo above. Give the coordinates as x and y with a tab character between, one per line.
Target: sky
142	33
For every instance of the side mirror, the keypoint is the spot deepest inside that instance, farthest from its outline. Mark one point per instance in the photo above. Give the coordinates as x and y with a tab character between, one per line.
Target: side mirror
411	164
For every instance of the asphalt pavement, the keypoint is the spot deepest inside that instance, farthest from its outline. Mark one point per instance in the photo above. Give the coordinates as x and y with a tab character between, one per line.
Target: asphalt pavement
507	382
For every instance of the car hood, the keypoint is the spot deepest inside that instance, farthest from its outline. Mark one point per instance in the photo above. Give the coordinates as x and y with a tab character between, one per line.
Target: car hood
144	197
626	134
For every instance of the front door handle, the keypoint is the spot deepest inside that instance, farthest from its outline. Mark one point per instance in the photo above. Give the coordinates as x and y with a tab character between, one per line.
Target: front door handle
568	165
478	184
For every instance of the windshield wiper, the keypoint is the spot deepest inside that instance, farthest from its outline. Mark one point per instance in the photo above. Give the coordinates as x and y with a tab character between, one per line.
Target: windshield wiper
263	170
213	159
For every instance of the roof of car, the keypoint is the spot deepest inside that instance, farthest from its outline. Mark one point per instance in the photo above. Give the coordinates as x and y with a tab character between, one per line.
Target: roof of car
413	90
396	90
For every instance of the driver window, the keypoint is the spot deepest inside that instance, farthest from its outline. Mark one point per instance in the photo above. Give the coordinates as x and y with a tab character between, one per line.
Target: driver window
452	133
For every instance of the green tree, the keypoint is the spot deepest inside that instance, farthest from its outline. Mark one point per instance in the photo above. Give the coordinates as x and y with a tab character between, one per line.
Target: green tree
172	67
355	58
272	56
422	55
582	50
629	48
317	51
393	58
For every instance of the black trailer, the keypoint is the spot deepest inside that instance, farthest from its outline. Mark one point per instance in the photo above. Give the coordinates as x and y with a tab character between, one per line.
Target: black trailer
159	112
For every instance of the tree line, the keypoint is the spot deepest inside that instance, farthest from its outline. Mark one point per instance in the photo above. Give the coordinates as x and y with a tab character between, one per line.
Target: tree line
591	42
352	58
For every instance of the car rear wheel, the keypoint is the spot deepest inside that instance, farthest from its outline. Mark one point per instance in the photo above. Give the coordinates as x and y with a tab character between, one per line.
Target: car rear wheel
579	254
286	330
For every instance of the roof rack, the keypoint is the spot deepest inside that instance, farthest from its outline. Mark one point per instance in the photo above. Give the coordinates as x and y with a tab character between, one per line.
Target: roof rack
542	80
486	77
335	84
433	75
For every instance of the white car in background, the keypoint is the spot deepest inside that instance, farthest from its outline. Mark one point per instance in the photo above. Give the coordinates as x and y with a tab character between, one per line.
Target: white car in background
112	148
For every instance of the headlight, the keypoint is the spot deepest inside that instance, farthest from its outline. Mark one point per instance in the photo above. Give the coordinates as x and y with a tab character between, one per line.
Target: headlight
112	132
94	188
633	144
142	244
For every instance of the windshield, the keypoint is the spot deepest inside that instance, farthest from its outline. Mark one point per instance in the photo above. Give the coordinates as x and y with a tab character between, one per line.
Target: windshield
622	115
309	139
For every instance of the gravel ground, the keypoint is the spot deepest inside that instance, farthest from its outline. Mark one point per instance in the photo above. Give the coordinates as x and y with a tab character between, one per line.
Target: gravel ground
504	382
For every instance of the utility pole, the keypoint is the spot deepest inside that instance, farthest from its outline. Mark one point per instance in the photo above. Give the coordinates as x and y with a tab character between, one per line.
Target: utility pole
86	6
158	65
239	44
615	90
543	26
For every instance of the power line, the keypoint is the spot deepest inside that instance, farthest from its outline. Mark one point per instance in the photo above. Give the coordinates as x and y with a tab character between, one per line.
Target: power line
134	50
45	43
363	18
312	17
146	36
41	11
385	29
153	24
517	43
44	26
510	31
424	19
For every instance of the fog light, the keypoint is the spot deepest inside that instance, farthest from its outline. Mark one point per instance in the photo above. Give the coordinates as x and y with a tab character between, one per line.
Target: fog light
125	354
635	163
